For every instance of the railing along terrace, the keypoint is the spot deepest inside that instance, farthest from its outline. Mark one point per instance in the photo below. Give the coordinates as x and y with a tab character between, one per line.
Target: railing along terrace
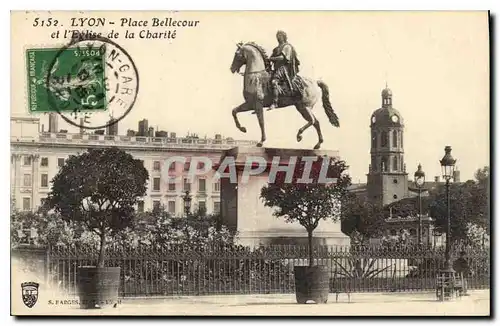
165	270
135	140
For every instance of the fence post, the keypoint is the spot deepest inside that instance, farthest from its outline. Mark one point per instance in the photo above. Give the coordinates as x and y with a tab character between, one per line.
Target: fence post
47	265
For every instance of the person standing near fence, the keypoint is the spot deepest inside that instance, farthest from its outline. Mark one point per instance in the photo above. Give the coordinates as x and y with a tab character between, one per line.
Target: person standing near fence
461	266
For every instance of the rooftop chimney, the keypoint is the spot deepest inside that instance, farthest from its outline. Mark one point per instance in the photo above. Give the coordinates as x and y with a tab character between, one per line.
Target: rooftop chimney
151	132
456	176
53	122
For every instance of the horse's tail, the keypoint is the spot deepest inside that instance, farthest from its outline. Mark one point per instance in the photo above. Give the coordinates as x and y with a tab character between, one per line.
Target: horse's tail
325	97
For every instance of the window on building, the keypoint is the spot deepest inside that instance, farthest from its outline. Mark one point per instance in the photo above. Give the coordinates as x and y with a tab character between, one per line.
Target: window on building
60	162
217	186
27	180
202	185
187	185
187	165
44	161
395	165
383	164
394	138
27	160
171	185
156	184
384	139
374	139
401	138
156	204
26	204
216	207
201	165
44	182
171	207
202	206
156	166
172	167
140	206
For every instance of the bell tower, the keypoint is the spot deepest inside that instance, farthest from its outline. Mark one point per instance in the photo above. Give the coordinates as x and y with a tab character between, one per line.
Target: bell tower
387	179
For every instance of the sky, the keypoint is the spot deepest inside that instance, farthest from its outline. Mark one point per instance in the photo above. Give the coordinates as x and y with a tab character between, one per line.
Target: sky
436	64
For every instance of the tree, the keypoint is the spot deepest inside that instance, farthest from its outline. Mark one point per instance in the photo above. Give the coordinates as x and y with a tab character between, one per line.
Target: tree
44	229
361	218
308	203
469	205
481	198
99	189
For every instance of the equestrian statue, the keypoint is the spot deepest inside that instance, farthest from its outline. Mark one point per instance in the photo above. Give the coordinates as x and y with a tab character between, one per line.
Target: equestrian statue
273	82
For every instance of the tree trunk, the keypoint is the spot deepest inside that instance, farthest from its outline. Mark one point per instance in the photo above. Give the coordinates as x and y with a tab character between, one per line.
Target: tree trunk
102	249
310	242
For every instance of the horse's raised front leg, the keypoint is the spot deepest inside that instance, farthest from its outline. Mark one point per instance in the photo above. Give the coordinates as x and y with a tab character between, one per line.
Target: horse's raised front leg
259	110
241	108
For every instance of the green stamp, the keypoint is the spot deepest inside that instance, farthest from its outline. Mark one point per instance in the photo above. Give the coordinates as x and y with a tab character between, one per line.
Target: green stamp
76	81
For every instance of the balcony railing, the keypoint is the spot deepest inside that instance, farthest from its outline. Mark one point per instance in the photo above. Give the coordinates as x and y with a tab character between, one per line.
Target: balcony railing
139	141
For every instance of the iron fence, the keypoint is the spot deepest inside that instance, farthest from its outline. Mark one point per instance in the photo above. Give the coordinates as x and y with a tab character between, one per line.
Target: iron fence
180	270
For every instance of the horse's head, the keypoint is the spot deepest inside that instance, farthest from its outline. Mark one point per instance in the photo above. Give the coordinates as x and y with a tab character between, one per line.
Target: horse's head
239	58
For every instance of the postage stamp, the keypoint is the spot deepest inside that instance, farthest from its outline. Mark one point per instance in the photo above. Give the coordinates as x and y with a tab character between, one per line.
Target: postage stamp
86	77
77	79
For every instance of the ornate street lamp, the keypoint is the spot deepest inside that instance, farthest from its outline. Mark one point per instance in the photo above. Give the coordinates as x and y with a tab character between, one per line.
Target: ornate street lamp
419	181
448	167
187	203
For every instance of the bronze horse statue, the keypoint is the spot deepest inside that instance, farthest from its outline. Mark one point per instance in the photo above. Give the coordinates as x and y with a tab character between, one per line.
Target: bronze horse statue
257	92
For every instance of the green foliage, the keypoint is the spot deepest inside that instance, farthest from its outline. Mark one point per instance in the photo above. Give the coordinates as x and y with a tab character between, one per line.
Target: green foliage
469	204
154	228
361	219
307	203
99	188
41	229
159	228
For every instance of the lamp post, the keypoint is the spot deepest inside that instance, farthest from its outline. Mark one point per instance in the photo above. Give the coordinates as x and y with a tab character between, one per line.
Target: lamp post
448	167
187	203
419	181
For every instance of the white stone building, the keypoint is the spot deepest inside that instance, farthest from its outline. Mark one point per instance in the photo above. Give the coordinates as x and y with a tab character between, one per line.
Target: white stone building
36	157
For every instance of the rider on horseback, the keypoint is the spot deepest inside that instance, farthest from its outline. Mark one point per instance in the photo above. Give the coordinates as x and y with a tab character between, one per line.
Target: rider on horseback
286	66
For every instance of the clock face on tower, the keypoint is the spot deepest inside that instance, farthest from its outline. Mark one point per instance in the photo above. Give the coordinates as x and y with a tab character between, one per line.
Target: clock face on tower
394	118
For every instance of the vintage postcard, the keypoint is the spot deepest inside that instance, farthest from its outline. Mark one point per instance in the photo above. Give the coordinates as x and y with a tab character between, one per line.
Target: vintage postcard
250	163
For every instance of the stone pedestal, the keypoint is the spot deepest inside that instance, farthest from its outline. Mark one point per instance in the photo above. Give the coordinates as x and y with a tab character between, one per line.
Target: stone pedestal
243	210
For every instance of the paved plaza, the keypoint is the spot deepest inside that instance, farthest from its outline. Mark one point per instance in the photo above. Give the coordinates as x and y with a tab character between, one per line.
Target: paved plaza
383	304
